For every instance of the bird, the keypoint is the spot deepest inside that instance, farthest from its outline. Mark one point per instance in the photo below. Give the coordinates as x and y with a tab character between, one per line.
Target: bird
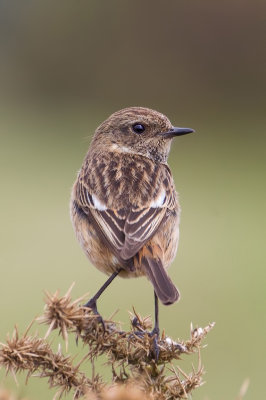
124	206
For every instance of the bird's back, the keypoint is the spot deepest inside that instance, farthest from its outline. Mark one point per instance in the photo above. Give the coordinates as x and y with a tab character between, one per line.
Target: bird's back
122	180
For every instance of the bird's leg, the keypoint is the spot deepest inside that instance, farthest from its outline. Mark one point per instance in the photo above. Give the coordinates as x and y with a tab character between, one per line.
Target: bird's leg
156	331
92	303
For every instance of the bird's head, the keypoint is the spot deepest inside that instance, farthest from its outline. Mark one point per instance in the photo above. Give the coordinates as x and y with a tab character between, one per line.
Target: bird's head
138	130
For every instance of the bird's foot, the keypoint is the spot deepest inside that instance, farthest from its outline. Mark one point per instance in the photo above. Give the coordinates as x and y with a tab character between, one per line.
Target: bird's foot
93	306
155	333
140	332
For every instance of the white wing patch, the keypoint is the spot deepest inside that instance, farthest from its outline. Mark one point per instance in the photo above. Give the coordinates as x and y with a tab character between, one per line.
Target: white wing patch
98	204
159	201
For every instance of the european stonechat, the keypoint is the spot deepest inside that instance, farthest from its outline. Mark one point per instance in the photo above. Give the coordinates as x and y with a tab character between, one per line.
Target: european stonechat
124	206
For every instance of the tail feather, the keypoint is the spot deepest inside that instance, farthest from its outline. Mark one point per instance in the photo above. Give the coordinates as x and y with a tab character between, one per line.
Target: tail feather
163	286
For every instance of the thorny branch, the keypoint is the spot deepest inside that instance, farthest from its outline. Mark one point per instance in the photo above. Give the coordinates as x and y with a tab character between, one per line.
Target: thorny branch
129	354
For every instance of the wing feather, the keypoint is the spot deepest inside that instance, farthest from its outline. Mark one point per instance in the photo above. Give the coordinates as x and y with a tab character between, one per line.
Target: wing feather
126	230
111	226
139	230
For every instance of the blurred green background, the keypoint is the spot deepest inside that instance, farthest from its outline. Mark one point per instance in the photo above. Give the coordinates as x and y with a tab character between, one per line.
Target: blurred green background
64	68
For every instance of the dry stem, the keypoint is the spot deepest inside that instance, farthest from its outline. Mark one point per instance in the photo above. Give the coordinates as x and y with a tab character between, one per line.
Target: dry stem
129	354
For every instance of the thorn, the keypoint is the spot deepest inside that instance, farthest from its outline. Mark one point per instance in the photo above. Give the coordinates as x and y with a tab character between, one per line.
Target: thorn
69	290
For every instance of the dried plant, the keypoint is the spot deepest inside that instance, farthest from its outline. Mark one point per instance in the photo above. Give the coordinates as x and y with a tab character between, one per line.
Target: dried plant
130	355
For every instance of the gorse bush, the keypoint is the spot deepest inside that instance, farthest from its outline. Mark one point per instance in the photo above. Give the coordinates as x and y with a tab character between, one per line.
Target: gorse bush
129	355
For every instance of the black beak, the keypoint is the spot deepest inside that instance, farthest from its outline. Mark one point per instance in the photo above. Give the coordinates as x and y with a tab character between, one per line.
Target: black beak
176	132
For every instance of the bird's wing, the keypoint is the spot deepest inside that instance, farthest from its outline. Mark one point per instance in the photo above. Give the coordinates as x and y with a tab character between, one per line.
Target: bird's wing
140	226
126	230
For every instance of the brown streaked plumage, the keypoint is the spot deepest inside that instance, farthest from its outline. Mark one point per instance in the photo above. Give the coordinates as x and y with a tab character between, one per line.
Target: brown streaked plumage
124	205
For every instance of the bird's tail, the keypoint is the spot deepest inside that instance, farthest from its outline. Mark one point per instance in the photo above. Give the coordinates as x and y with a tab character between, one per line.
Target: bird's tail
163	286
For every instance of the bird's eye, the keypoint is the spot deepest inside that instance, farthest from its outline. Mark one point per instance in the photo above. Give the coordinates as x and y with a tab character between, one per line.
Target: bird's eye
138	128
